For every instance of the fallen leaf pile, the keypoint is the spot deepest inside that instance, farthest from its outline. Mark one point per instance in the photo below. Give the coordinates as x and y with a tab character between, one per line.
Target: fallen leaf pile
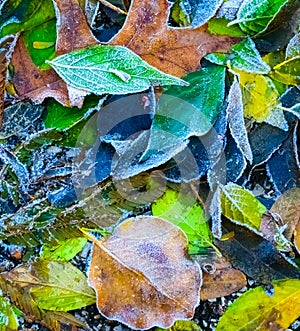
149	164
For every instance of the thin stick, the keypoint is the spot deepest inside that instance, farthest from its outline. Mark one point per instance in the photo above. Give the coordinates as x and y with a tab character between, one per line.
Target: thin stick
111	6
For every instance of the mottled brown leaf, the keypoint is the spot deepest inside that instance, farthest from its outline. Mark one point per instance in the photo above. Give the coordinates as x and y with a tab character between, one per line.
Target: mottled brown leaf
73	33
172	50
219	277
288	207
7	45
143	276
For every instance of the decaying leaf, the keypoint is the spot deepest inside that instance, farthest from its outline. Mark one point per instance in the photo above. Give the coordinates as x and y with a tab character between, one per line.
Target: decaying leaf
255	310
297	237
219	277
240	206
174	51
288	207
253	255
73	33
7	45
142	275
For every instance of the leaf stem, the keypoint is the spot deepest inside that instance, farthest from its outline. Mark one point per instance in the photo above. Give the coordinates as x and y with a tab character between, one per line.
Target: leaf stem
111	6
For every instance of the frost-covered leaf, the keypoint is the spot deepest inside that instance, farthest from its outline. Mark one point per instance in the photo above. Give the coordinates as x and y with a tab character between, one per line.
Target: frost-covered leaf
18	118
255	310
260	95
109	69
283	167
8	316
255	16
7	45
293	47
57	286
162	47
220	26
254	255
236	121
144	263
277	119
181	209
241	206
63	252
182	326
187	111
194	13
288	207
288	72
241	57
265	140
20	295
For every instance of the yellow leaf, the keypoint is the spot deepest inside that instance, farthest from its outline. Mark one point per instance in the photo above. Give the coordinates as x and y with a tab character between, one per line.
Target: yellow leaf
260	95
255	310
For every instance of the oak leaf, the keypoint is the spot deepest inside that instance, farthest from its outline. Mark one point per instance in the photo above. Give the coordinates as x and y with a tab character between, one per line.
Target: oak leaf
172	50
143	276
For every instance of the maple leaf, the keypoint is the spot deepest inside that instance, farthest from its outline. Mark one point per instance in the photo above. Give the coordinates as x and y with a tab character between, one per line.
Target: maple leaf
172	50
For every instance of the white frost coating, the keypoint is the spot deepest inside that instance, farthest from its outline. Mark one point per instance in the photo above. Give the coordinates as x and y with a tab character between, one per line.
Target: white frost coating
236	121
277	119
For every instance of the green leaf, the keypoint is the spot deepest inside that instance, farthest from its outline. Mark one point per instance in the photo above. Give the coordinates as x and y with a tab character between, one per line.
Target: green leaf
40	42
8	316
23	15
243	56
182	326
65	251
288	72
255	310
255	16
62	118
260	95
241	206
183	112
60	286
182	210
109	69
194	12
220	26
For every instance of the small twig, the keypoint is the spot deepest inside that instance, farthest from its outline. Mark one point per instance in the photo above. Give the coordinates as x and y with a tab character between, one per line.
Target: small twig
111	6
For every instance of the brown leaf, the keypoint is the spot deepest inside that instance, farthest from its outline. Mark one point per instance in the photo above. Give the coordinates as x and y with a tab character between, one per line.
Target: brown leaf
73	32
288	207
172	50
223	278
7	45
143	276
297	237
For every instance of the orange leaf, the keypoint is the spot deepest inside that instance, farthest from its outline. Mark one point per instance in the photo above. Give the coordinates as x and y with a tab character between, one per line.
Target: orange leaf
142	274
172	50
